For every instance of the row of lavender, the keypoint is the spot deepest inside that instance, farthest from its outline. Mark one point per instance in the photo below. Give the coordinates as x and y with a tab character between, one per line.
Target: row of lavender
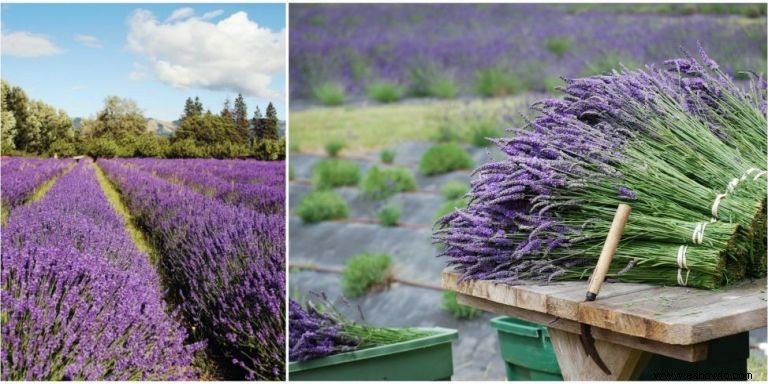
21	176
80	301
223	266
357	44
253	184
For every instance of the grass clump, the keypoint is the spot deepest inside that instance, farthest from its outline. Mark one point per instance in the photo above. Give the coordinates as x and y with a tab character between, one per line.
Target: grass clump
322	205
388	215
366	272
461	312
558	46
387	156
385	92
495	82
430	81
334	147
482	130
333	173
380	184
607	63
329	93
444	158
454	189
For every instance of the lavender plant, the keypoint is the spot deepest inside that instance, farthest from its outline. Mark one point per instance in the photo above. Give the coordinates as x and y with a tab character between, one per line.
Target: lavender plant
224	266
682	145
80	302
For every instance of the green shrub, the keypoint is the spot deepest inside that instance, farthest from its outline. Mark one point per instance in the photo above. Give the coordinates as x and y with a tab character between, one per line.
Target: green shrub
431	81
329	93
387	156
452	306
380	184
388	215
449	207
444	158
186	148
62	148
321	206
550	83
334	147
366	272
335	173
558	45
494	82
102	148
454	189
481	130
448	132
266	149
385	92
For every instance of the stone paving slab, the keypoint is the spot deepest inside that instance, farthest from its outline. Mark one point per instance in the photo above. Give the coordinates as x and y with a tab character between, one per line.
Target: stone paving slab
475	354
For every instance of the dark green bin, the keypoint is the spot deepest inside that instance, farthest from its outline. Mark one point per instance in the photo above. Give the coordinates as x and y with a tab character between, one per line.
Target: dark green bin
526	350
425	359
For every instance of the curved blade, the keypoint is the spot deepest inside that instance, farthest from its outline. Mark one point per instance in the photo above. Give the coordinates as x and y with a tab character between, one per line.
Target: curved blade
588	342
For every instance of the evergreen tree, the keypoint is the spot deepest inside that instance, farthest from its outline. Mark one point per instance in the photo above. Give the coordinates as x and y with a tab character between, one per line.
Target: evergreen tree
198	106
189	109
240	117
227	110
271	129
256	124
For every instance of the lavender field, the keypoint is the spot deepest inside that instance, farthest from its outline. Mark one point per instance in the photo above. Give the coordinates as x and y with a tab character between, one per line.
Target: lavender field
147	269
445	50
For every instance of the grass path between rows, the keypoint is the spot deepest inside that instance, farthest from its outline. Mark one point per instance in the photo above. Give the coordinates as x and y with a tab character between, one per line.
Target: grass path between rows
376	126
116	200
36	195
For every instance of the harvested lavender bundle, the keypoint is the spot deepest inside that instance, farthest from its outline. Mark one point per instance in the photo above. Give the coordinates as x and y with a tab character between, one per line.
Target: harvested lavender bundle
316	333
683	146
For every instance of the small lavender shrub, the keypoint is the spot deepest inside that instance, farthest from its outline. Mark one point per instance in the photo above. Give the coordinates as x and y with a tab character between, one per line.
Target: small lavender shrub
495	82
322	205
329	93
335	173
454	189
387	156
366	272
388	215
482	130
430	81
558	46
334	147
385	92
459	311
443	158
379	184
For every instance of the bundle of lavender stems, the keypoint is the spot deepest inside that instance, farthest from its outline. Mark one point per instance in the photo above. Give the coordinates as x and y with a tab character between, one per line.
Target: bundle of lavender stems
682	144
321	330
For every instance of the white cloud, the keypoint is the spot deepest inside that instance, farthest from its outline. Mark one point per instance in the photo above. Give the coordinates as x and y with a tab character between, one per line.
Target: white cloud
234	54
212	14
181	13
28	44
88	41
139	72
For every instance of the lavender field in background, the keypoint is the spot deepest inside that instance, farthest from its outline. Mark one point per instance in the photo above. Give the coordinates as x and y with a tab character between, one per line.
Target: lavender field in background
80	301
356	44
224	265
253	184
21	176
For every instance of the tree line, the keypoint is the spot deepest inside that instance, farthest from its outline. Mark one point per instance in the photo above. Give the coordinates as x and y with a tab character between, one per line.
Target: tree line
119	129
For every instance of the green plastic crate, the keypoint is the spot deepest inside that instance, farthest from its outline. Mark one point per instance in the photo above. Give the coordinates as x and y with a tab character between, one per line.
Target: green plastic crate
425	359
526	350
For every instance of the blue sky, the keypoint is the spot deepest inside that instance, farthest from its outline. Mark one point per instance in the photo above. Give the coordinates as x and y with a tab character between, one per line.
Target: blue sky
74	55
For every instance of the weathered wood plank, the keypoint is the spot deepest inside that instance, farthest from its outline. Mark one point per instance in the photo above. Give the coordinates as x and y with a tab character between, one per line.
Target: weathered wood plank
624	362
691	353
672	315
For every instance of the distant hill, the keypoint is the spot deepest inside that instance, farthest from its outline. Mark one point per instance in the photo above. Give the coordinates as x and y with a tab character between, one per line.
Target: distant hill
167	128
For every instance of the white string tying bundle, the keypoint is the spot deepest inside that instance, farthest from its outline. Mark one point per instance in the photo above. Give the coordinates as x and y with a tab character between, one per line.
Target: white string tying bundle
682	264
698	233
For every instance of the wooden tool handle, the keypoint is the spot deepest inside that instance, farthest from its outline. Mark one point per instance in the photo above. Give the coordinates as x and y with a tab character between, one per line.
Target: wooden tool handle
609	248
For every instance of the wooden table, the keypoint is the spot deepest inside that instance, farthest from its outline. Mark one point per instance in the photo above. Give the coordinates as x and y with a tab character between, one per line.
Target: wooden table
630	322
